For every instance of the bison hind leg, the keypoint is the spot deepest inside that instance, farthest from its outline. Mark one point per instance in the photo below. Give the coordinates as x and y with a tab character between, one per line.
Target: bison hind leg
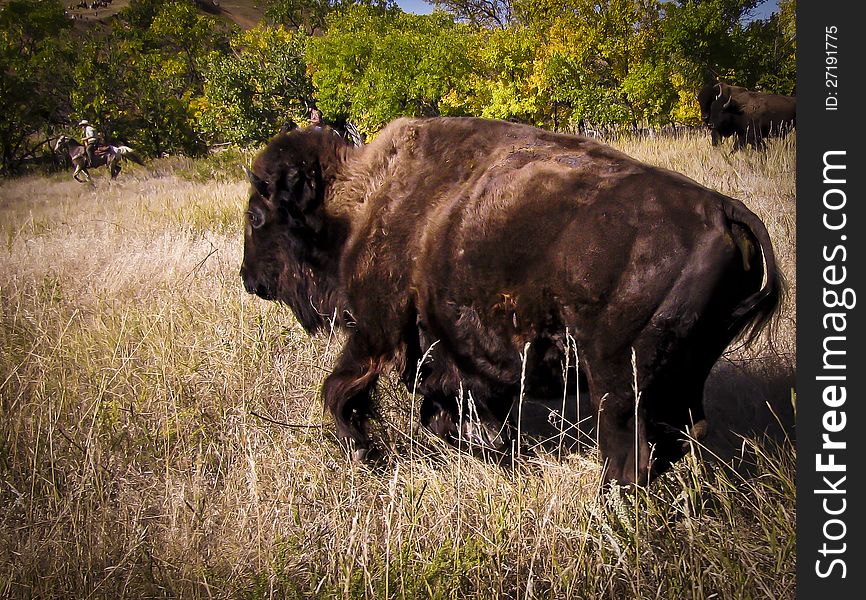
465	425
441	418
637	444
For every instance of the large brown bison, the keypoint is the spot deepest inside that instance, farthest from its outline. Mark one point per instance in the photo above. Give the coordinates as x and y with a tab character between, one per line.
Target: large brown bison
484	244
749	116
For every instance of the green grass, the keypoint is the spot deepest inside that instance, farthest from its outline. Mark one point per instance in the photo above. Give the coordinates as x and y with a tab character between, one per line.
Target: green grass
161	433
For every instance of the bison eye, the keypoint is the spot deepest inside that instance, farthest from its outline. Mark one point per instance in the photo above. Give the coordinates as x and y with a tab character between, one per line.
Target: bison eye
256	218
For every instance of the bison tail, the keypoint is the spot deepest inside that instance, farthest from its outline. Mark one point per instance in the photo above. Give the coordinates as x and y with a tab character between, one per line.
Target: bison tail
755	312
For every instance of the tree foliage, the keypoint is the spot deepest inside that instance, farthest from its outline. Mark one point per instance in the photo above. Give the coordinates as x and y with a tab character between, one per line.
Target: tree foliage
311	16
775	69
35	54
259	85
167	78
602	61
375	66
712	40
141	83
507	87
482	13
705	38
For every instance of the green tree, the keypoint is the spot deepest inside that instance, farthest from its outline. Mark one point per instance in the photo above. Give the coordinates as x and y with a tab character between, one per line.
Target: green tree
311	16
143	83
711	40
601	61
251	91
375	66
705	39
483	13
35	55
506	86
770	65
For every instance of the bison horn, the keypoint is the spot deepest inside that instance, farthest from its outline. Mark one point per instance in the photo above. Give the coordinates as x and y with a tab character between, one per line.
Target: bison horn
719	95
260	185
731	97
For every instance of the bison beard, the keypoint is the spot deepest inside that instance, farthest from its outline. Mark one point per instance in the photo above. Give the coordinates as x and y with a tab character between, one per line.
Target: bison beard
470	238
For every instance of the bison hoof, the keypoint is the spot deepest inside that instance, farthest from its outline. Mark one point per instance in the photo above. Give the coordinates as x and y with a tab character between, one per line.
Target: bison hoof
485	435
357	452
697	432
360	455
699	429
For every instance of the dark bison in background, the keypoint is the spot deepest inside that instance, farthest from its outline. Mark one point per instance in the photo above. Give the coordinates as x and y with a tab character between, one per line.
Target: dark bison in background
710	93
750	116
485	244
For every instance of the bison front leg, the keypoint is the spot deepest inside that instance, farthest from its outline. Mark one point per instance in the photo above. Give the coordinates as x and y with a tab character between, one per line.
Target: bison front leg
739	141
440	416
622	441
346	394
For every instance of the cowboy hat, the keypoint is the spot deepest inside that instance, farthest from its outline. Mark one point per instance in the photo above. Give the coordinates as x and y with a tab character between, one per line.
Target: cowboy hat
83	122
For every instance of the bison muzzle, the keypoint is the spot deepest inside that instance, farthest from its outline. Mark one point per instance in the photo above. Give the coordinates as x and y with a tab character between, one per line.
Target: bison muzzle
484	244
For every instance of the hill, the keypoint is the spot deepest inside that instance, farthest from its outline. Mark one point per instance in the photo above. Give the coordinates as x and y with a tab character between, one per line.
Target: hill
244	13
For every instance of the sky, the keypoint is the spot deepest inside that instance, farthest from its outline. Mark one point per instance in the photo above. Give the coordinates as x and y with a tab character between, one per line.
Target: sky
766	9
419	7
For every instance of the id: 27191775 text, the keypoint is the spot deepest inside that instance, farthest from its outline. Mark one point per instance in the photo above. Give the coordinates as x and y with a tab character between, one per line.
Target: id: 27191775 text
831	66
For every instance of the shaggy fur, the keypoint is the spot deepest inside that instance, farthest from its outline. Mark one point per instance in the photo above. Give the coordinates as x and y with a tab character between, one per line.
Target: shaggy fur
471	238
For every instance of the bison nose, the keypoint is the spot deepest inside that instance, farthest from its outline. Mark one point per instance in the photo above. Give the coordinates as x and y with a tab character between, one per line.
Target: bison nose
249	286
252	286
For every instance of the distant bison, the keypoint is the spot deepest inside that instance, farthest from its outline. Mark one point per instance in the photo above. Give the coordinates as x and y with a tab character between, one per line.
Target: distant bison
709	94
750	116
484	244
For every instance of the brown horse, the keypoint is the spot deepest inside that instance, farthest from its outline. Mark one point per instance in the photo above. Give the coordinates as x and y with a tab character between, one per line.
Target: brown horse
103	155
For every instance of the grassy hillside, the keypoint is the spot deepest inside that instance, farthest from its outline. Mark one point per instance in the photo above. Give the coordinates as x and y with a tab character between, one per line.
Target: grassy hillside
161	434
245	13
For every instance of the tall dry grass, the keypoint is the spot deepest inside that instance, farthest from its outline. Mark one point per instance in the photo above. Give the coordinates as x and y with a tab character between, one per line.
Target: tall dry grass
160	432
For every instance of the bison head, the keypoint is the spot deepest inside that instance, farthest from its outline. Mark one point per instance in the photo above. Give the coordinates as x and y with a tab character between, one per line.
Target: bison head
724	113
291	246
722	109
705	99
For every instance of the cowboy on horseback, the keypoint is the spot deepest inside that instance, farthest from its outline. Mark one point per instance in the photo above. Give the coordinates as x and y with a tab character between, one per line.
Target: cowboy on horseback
84	157
90	141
